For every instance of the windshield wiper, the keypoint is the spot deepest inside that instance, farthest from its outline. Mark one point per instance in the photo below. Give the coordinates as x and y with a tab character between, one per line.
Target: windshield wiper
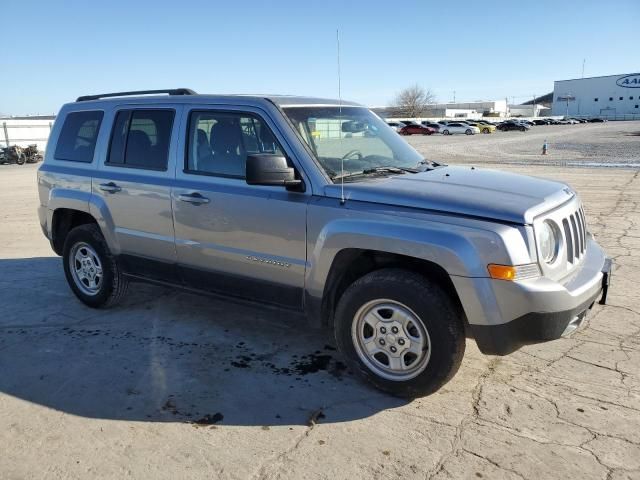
390	168
374	170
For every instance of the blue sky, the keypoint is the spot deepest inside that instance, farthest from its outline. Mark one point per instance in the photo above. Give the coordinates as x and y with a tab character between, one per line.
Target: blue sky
481	49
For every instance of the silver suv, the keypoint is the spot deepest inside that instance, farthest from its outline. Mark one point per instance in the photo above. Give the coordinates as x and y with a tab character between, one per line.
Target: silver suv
316	206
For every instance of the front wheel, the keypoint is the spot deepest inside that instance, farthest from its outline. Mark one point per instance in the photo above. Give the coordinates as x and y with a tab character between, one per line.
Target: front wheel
400	331
522	129
446	132
21	159
91	270
485	130
468	131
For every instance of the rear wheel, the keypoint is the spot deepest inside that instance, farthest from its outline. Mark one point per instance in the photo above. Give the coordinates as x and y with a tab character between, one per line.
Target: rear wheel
400	331
468	131
446	132
522	129
21	159
485	130
91	270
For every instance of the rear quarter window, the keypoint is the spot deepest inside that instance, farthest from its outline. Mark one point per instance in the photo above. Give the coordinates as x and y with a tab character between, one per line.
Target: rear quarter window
77	140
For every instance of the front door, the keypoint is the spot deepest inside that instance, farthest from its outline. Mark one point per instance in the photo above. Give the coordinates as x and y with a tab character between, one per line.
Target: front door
232	238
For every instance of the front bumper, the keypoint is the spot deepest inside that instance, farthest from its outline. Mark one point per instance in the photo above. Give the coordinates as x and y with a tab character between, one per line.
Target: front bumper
504	316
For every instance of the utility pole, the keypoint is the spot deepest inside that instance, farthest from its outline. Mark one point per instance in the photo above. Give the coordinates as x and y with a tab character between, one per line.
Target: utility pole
534	105
454	96
583	60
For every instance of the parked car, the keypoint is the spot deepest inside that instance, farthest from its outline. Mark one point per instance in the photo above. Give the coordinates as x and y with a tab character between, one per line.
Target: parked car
416	130
540	121
396	125
221	194
596	120
483	127
435	126
512	125
457	127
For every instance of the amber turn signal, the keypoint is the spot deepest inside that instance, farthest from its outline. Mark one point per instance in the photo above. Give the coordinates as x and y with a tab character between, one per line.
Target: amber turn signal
513	272
502	272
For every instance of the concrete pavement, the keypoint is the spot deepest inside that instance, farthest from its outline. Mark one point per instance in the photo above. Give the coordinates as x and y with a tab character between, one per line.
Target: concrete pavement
173	385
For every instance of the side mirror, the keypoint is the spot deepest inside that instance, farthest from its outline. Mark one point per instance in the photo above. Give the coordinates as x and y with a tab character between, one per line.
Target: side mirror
270	169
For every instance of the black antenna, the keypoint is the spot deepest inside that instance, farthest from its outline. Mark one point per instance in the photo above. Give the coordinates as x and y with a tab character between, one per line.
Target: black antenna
342	199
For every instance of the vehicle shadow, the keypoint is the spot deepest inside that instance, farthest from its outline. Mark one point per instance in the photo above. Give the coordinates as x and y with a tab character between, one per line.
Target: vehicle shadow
168	356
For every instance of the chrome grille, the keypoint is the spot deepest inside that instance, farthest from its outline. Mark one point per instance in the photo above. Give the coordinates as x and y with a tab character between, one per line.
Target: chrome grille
575	235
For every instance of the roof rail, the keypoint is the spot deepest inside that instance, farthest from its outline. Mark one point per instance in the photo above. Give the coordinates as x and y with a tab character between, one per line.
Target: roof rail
173	91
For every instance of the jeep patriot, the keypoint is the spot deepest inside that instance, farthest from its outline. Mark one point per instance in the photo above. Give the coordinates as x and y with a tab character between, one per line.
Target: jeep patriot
316	206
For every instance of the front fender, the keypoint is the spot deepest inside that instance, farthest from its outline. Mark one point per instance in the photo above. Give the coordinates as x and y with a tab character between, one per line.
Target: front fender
452	247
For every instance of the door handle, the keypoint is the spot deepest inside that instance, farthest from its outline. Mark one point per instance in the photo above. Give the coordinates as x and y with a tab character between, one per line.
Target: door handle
109	187
194	198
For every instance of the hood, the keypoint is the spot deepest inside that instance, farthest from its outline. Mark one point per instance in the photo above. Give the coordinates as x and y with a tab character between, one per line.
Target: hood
461	190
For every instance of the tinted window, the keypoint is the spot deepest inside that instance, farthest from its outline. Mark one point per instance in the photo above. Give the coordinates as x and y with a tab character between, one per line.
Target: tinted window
141	139
219	142
77	140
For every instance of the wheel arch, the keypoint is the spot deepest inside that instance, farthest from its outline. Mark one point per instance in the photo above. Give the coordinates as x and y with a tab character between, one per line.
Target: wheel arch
352	263
63	221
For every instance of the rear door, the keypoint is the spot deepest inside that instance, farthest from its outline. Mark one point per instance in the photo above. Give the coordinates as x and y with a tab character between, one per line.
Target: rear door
134	184
232	238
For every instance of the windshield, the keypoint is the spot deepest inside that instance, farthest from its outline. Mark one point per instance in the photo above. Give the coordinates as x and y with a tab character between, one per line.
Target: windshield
354	137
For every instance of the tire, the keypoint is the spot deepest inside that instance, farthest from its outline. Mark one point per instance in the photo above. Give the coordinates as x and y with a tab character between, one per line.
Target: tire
21	159
434	324
485	130
468	131
522	129
88	243
446	132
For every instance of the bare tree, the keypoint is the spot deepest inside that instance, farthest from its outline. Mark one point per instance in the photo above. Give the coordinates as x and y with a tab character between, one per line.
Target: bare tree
412	101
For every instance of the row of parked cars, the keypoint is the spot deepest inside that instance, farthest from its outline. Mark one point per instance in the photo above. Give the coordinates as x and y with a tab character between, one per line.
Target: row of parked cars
472	127
445	127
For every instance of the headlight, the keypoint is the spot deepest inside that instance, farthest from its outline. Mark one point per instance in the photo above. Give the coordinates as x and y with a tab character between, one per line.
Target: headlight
549	241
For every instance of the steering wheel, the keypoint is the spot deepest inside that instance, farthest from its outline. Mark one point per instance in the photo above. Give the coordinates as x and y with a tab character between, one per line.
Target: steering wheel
352	153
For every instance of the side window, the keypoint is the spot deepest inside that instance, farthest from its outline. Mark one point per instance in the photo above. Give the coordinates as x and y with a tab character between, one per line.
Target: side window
141	139
77	140
218	142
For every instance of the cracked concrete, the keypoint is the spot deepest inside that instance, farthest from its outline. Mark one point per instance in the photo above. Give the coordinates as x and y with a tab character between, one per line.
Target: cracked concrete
116	393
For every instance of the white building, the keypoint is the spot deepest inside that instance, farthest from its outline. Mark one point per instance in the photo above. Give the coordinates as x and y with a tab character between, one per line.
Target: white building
470	110
613	96
530	110
495	107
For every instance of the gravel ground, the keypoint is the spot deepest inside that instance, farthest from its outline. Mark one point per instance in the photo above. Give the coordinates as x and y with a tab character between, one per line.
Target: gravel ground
610	144
173	385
